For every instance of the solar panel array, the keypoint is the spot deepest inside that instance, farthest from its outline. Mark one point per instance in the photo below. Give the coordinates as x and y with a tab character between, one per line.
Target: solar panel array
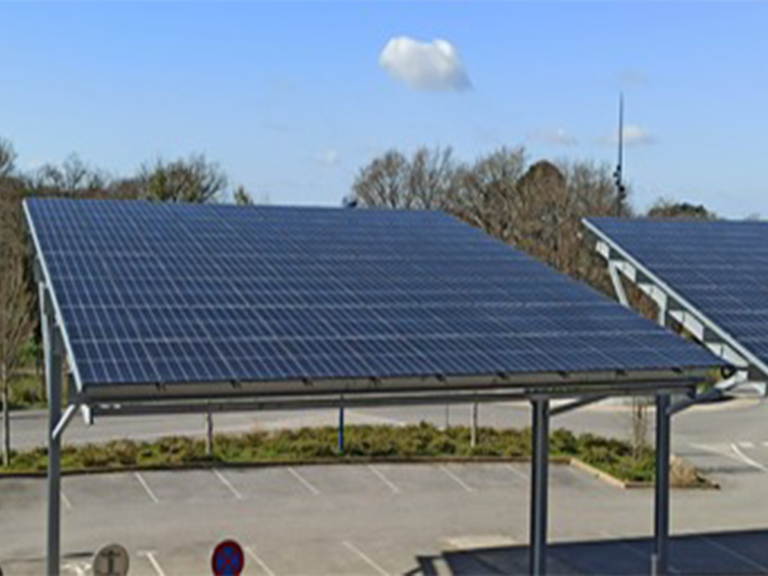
719	267
158	293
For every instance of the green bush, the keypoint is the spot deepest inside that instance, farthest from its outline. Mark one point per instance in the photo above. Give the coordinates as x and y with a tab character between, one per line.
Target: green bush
417	441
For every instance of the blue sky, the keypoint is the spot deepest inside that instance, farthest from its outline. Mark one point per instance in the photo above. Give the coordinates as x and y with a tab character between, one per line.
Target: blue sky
292	99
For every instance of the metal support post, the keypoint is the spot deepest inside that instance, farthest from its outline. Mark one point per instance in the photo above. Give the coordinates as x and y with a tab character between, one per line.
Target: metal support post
660	561
539	487
473	428
618	287
209	432
53	376
341	430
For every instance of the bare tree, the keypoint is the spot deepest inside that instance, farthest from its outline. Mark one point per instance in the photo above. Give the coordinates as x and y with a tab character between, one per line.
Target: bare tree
431	178
383	183
7	158
16	302
72	178
194	180
242	197
486	194
666	208
425	181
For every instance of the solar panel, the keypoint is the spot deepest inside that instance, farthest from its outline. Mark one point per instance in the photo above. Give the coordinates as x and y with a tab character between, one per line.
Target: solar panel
718	268
160	293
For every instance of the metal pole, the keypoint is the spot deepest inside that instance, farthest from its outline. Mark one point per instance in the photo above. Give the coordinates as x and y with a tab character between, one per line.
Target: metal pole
209	432
341	431
539	488
660	561
473	430
53	366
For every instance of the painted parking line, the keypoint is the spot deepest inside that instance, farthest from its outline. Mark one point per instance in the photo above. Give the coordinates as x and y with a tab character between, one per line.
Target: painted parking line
146	487
746	445
516	472
150	556
747	460
224	480
65	501
456	479
735	554
636	551
304	482
387	482
365	558
266	569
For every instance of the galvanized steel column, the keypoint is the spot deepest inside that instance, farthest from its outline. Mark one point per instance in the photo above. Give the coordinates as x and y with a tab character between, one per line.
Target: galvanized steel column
660	564
539	487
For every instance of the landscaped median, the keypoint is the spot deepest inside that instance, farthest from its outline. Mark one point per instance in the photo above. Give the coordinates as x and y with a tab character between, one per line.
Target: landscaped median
609	459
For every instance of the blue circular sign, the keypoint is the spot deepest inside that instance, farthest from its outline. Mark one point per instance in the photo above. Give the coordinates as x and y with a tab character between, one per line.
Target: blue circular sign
228	559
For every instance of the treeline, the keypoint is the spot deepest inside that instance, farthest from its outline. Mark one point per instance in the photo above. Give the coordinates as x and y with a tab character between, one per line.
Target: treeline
533	206
536	206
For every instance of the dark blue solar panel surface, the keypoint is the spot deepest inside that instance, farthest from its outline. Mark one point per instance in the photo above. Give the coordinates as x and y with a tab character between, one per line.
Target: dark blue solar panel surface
719	267
179	293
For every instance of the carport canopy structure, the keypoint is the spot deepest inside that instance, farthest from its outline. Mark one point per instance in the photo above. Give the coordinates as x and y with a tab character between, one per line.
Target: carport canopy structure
176	308
708	276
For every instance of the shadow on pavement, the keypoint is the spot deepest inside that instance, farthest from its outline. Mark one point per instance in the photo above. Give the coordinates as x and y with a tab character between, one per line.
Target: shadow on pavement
742	552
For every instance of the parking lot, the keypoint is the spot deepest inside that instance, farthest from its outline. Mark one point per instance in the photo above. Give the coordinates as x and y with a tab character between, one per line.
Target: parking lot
375	520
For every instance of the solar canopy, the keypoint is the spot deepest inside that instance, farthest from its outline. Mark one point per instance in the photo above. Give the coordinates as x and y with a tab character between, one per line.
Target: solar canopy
717	270
161	294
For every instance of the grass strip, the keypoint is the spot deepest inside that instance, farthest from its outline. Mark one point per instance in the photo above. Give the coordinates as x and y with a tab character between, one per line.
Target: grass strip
417	442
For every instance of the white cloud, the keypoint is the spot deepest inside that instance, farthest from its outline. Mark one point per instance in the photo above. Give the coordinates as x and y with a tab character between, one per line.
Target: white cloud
329	157
553	137
431	66
635	136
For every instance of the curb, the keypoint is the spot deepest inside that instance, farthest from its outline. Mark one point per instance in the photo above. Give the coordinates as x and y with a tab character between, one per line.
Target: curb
707	484
360	460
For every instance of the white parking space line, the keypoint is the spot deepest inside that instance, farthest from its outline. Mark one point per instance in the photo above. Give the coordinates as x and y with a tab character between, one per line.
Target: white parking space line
380	475
224	480
266	569
765	444
517	472
746	445
365	558
735	554
150	555
456	479
747	460
636	551
146	487
304	481
65	500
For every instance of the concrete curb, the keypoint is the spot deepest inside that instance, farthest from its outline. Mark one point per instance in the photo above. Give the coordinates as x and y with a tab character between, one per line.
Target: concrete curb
359	460
633	485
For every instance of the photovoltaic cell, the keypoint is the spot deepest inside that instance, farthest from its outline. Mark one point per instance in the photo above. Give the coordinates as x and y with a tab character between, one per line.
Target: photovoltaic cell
160	293
719	267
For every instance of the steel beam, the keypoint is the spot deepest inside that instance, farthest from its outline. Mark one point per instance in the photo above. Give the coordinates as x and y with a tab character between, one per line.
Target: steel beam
152	406
58	429
660	560
539	487
576	404
618	287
